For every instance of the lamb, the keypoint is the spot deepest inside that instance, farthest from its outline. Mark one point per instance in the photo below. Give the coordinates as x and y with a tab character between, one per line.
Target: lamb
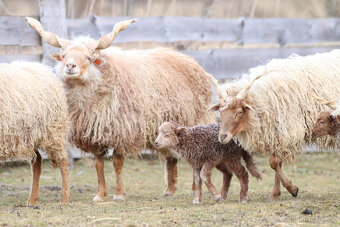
117	99
328	121
273	113
33	115
200	147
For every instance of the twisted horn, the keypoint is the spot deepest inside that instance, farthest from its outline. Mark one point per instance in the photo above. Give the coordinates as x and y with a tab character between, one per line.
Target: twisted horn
220	93
331	104
106	40
49	37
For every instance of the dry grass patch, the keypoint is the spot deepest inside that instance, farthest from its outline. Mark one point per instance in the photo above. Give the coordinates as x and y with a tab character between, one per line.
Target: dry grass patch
317	175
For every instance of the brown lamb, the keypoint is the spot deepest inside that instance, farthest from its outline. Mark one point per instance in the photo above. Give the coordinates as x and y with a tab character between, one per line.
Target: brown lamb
200	147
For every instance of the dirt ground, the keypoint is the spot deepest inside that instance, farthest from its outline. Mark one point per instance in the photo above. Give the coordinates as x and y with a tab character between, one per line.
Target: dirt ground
317	175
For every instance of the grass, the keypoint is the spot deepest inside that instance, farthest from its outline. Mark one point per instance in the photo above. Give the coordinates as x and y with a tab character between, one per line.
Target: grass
317	175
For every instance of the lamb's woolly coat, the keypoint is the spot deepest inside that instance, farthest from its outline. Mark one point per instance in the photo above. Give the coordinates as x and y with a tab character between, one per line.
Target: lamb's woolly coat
285	112
123	101
33	112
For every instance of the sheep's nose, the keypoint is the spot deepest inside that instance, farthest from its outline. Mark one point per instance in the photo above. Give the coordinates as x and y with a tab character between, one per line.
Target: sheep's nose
70	66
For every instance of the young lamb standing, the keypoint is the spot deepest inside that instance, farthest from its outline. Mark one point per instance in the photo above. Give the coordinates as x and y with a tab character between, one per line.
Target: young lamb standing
33	115
200	147
117	99
328	121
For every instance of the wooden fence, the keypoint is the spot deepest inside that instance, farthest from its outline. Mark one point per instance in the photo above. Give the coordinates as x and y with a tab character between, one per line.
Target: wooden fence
224	47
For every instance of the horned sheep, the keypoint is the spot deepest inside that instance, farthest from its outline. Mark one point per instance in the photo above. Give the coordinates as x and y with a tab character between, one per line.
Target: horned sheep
328	121
200	147
117	99
273	113
33	115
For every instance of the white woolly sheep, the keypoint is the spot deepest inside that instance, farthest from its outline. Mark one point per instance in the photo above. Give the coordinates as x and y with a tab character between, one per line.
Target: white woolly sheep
200	147
117	99
33	115
273	112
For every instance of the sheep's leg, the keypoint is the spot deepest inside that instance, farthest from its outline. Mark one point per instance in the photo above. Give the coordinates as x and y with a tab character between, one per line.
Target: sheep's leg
64	164
227	175
242	175
275	163
171	175
198	187
36	171
276	189
101	193
206	172
118	161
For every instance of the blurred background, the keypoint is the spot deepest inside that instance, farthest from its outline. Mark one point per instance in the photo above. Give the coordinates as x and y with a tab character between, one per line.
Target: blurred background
227	37
183	8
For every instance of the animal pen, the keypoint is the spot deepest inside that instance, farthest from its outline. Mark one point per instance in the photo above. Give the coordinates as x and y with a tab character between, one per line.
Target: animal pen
226	48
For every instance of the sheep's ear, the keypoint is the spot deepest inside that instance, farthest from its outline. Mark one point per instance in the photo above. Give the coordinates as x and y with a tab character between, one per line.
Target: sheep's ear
56	57
214	107
248	106
97	61
180	130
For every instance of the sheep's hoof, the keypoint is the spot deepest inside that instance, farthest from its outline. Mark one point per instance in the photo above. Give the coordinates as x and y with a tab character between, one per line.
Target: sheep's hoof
243	201
217	198
296	192
196	201
31	204
168	193
118	197
98	199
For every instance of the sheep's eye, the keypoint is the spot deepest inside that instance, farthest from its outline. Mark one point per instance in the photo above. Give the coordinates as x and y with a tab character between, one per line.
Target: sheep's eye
63	56
322	122
88	58
166	135
240	112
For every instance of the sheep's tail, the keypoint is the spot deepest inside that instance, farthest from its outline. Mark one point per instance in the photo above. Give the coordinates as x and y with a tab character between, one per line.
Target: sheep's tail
251	166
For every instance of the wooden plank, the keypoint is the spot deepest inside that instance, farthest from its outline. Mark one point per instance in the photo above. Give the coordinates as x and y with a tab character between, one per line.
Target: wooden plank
20	50
279	31
53	19
233	63
15	31
10	58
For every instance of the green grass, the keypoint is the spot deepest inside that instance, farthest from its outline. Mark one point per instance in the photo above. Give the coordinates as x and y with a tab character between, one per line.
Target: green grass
317	175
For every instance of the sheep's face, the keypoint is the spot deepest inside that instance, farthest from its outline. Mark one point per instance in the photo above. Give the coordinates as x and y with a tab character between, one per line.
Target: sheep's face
234	118
76	60
168	135
324	125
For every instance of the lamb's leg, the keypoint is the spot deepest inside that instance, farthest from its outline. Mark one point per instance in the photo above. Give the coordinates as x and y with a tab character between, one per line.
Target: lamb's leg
36	171
198	187
206	172
101	179
242	174
171	175
118	161
275	163
227	175
193	186
64	164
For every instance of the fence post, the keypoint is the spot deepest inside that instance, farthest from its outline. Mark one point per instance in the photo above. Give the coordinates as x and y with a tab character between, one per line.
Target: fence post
53	19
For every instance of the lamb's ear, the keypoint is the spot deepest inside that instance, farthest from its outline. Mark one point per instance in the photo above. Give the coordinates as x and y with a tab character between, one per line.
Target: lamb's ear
56	57
214	107
180	130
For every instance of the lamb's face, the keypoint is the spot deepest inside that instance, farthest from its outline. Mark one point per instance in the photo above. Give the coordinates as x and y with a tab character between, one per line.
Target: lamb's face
167	137
324	125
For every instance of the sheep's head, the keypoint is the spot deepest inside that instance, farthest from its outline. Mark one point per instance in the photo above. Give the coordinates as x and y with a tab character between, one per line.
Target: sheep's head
326	121
77	57
168	135
234	112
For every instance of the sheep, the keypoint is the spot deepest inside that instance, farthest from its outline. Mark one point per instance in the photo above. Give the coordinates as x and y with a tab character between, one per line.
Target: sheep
33	115
328	121
200	147
273	113
118	98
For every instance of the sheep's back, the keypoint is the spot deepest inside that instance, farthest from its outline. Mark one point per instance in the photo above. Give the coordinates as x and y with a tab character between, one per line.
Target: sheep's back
33	109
